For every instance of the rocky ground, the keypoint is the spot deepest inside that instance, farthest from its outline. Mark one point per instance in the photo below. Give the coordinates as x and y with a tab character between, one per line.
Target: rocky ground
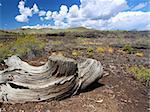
118	91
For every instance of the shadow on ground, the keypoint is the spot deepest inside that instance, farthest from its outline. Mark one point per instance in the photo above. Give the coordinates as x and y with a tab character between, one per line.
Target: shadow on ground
92	86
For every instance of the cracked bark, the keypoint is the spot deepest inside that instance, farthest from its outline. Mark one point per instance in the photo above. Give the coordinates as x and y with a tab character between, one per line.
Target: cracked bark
59	78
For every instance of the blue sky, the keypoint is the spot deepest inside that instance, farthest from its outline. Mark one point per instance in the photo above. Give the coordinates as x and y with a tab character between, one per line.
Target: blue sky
96	14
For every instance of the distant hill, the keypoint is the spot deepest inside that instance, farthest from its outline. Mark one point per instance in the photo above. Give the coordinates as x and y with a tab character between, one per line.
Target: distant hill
4	32
73	32
49	30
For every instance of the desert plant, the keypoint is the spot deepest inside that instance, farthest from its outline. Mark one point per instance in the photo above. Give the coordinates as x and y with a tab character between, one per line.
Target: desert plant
76	53
100	50
4	51
139	54
110	50
141	73
90	51
128	48
21	46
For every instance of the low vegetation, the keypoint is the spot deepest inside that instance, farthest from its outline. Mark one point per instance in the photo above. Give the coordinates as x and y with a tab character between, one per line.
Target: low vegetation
100	50
141	73
120	52
139	54
110	50
90	51
21	46
76	53
128	48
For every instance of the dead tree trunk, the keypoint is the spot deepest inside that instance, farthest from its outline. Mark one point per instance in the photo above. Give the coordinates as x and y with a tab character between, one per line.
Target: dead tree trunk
60	77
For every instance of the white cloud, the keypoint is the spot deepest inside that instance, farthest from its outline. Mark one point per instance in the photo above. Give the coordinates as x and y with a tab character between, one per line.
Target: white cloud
97	14
54	15
0	4
73	11
36	26
63	10
130	20
41	26
92	13
48	15
25	12
122	21
89	9
140	6
57	16
42	13
21	18
35	8
101	9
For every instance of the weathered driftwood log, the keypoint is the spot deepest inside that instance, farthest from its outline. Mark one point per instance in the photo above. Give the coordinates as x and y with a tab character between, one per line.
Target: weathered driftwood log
60	77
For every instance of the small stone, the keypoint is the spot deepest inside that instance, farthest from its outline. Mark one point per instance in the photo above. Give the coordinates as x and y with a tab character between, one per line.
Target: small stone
100	101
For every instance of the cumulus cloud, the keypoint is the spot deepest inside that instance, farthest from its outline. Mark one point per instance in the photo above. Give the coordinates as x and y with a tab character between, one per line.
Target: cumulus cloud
38	26
48	15
42	13
61	15
63	10
101	9
21	18
130	20
58	17
89	10
35	8
122	21
97	14
73	11
25	12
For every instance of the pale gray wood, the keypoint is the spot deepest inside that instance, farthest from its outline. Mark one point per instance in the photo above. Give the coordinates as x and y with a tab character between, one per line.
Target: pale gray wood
58	78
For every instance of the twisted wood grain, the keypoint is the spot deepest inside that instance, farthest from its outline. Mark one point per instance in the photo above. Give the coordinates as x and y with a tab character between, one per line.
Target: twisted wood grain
59	78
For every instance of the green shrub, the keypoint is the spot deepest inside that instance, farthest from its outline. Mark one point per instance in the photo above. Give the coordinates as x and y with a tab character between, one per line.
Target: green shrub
21	46
90	51
141	73
4	51
128	48
26	44
100	50
76	53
